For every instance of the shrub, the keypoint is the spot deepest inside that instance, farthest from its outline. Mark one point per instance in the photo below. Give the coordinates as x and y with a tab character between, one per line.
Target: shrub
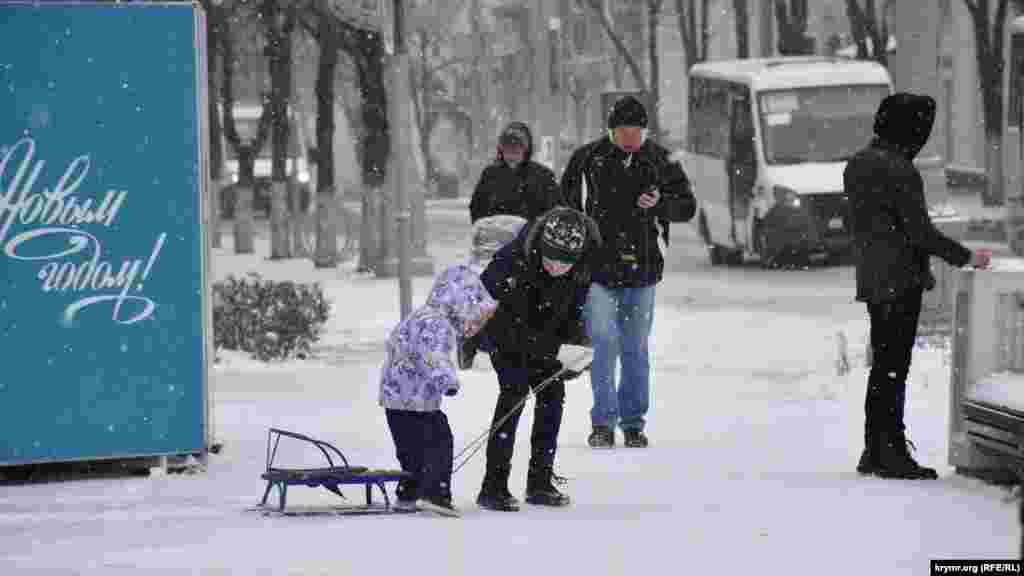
270	320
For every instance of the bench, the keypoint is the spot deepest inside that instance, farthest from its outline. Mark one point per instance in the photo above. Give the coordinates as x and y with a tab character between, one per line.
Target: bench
338	472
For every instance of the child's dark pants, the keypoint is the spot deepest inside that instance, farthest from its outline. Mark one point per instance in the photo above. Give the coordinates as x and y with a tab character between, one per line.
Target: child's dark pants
424	446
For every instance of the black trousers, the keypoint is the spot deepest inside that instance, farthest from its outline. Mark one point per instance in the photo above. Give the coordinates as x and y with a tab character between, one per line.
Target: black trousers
514	382
893	332
424	446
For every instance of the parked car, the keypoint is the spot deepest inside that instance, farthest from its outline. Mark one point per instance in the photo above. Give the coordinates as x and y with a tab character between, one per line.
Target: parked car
247	117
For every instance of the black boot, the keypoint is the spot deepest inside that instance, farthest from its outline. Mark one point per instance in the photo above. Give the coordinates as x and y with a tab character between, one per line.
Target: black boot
494	494
540	489
868	463
602	437
895	461
634	438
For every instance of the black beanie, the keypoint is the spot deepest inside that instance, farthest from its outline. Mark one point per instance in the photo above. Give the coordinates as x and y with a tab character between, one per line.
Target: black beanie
627	111
564	236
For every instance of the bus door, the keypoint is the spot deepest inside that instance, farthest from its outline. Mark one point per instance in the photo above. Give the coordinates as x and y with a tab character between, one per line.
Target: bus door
741	165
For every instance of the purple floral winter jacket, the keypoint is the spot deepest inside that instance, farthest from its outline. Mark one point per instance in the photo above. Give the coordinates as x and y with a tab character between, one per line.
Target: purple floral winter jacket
419	367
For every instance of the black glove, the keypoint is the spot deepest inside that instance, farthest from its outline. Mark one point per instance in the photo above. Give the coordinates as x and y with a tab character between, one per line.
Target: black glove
451	392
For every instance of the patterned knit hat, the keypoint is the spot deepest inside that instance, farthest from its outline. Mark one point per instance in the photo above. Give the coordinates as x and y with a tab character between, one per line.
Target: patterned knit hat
564	236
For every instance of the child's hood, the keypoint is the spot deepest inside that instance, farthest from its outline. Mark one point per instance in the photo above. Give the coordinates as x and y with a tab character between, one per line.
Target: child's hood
461	296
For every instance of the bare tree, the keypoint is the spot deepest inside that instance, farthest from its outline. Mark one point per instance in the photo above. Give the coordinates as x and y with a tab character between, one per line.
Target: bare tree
651	88
870	29
695	29
215	38
278	18
792	23
245	149
741	20
988	41
429	34
323	20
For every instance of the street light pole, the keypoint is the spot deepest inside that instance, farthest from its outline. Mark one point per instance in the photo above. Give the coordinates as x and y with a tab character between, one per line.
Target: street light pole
399	141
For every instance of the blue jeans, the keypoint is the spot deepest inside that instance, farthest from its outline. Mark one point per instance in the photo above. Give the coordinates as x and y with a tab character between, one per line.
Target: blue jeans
619	325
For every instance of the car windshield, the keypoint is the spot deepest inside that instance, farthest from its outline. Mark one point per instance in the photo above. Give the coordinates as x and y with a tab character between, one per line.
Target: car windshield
817	124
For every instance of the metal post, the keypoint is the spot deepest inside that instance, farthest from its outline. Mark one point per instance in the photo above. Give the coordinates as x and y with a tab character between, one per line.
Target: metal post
398	149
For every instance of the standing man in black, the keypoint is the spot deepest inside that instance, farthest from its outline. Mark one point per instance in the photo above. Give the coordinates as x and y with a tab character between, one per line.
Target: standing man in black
511	185
514	183
893	240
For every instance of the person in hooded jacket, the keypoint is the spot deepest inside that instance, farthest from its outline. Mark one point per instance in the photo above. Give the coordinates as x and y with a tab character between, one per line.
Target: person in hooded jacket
893	238
417	371
540	281
629	185
514	183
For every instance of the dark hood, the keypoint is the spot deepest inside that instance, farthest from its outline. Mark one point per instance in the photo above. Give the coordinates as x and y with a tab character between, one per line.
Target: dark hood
905	121
521	127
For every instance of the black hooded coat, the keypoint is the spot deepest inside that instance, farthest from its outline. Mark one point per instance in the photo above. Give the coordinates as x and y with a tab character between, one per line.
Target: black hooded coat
893	235
527	190
537	313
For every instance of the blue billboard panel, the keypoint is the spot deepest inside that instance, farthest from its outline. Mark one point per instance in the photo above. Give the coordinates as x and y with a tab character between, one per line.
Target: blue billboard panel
102	249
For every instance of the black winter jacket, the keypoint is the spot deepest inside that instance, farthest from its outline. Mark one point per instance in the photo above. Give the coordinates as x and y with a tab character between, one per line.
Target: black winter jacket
528	190
893	235
604	181
537	313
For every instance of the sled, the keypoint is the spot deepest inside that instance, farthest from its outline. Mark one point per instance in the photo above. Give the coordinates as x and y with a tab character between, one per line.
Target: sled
338	472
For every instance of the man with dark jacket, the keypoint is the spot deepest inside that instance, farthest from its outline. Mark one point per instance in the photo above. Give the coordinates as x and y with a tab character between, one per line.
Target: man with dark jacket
540	283
629	185
514	183
893	238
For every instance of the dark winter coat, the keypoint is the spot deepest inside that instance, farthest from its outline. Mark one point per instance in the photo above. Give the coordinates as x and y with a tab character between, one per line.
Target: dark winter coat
537	313
527	190
604	181
893	235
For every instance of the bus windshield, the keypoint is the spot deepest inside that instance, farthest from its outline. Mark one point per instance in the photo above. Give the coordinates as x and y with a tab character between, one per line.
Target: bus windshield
817	124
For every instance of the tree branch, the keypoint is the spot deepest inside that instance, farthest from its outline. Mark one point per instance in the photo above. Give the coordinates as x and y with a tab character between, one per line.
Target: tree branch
620	46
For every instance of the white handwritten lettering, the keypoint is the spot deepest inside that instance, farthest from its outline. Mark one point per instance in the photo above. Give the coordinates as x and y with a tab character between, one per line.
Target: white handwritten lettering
51	206
91	274
40	224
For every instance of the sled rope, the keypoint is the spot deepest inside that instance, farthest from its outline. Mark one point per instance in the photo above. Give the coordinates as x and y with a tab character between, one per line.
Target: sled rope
474	446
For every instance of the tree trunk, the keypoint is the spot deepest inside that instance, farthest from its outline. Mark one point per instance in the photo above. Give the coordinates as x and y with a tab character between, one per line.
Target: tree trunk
653	17
741	19
279	23
620	47
793	39
988	37
326	253
870	31
245	151
994	193
695	37
368	54
213	39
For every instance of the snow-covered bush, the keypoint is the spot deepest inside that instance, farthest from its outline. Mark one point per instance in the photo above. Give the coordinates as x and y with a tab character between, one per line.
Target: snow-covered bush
270	320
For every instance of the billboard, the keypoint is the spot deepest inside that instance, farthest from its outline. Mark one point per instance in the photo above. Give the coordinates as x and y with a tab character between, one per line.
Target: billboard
104	311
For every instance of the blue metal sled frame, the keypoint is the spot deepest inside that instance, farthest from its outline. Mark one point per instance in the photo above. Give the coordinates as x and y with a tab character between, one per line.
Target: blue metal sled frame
329	478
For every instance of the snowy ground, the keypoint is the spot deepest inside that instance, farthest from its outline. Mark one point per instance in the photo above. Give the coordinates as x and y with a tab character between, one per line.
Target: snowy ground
754	439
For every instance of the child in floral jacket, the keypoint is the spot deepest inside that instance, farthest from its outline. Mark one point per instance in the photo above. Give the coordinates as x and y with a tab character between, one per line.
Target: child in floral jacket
418	370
